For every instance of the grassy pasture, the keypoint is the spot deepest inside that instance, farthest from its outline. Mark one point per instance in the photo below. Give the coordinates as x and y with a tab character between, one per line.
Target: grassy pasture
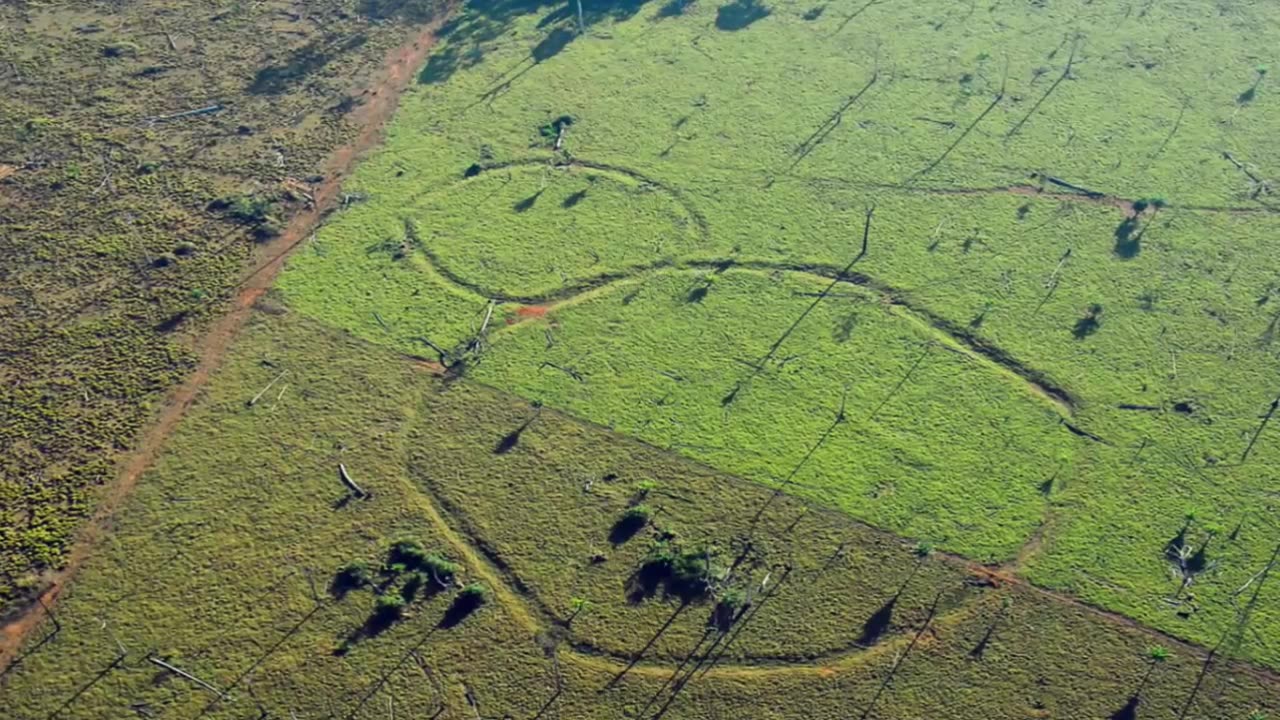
714	174
219	566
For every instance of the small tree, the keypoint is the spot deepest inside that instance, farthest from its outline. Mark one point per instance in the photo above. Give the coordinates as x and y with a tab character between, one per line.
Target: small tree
388	608
352	576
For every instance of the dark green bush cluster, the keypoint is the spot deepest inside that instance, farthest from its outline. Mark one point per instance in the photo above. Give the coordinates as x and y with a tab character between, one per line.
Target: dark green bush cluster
687	574
409	556
1142	204
256	210
551	130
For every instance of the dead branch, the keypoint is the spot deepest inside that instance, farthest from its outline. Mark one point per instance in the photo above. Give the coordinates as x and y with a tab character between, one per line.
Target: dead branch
187	675
263	391
208	110
345	477
1066	73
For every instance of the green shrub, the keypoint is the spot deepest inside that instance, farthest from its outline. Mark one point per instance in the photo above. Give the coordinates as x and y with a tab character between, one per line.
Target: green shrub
439	569
352	576
389	608
408	553
474	594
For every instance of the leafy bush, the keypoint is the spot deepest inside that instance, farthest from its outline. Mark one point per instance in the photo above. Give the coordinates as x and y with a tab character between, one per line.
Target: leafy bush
408	554
474	593
352	576
687	574
439	569
388	608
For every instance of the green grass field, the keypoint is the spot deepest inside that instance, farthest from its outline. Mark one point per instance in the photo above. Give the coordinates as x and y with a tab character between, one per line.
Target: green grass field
221	567
712	182
936	339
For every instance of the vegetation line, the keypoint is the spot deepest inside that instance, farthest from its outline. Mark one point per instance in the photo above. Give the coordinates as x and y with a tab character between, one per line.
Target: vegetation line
767	665
398	72
980	347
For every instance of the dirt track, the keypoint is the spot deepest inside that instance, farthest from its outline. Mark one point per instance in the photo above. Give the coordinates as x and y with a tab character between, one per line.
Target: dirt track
381	100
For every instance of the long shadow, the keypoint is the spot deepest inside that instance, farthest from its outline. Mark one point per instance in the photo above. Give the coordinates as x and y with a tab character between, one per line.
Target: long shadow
276	79
740	624
831	123
878	624
636	658
839	420
1232	637
468	36
840	277
57	628
893	671
1129	711
984	642
938	160
1066	73
382	681
675	689
262	658
512	439
412	11
1271	411
847	18
87	687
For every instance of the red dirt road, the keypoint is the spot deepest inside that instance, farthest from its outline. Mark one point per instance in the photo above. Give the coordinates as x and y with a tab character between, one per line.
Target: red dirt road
381	101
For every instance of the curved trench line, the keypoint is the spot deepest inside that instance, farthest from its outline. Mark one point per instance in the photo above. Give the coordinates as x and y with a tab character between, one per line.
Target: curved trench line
531	612
995	575
560	163
1039	382
1018	189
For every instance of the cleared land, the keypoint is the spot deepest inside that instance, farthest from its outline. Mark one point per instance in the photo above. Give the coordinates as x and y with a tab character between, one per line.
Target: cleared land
825	361
1031	373
152	153
221	566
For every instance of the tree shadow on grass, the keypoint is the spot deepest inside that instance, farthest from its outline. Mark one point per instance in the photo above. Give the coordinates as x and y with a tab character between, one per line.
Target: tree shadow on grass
1089	324
1128	236
626	528
414	11
1128	712
277	79
878	624
462	608
467	36
673	8
739	14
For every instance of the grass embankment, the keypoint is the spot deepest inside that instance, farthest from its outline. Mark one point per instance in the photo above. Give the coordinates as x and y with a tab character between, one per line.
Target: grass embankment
221	564
704	138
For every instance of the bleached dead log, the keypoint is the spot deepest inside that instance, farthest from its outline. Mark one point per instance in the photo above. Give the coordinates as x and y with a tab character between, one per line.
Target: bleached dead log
263	391
345	477
187	675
